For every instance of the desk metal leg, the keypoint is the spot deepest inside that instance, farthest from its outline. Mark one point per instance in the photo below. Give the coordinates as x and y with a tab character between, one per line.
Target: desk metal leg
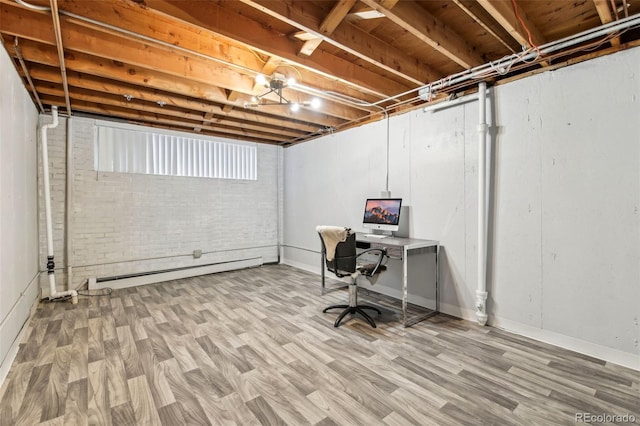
437	277
405	295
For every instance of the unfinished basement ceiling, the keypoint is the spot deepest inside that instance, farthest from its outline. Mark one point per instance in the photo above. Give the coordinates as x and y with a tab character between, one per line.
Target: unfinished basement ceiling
192	65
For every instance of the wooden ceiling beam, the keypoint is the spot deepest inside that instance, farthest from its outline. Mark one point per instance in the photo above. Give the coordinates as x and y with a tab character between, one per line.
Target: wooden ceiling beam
604	12
369	25
504	13
486	21
153	119
118	47
338	12
310	46
336	16
83	63
152	24
431	31
83	95
342	74
146	21
349	38
241	116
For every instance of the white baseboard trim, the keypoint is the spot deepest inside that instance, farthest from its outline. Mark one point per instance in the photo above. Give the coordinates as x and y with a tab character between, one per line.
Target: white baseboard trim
175	275
605	353
7	362
387	291
299	265
458	312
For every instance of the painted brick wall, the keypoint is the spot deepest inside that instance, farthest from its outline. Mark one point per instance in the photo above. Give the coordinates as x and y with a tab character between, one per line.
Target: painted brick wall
129	223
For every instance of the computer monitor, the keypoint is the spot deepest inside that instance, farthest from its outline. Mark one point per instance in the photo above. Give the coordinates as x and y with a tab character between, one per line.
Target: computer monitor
382	214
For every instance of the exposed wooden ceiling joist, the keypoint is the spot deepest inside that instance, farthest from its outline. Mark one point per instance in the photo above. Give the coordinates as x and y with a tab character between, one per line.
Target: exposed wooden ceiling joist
515	21
191	65
328	25
349	39
431	31
271	43
604	12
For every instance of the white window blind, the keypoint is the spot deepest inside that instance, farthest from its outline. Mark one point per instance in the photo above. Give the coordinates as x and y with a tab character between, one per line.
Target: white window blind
132	151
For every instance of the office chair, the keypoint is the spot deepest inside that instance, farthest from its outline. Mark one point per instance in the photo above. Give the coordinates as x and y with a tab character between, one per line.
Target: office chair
344	263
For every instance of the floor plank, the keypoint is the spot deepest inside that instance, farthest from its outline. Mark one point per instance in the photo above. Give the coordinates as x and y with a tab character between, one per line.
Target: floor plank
253	347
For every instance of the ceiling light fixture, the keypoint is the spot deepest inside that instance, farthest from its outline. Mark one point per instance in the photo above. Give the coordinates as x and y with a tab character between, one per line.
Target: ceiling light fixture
369	14
275	85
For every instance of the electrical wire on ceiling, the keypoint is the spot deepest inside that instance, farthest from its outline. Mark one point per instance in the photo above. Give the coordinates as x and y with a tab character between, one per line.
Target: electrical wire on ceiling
625	5
55	14
615	9
513	62
499	67
515	10
257	56
244	69
281	65
25	70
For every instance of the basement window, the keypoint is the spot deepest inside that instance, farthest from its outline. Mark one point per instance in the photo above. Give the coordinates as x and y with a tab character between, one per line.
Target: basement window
124	150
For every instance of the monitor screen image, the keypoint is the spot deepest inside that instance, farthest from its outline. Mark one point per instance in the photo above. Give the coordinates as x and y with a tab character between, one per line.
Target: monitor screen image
382	213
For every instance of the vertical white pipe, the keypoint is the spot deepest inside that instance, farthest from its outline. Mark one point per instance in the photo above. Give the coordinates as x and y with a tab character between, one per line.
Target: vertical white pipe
53	293
45	172
481	292
69	205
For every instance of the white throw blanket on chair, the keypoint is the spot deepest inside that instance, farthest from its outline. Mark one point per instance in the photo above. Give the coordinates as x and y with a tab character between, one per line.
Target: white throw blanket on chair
332	235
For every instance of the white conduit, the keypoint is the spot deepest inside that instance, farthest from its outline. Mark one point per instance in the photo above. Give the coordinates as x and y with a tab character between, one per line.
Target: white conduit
53	293
489	69
69	203
448	104
481	292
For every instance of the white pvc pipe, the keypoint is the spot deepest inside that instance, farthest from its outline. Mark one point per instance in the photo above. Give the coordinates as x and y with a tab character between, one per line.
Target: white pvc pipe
53	293
481	292
448	104
69	204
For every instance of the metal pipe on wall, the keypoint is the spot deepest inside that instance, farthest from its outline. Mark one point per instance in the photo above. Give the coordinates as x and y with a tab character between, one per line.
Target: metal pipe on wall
25	70
450	103
63	69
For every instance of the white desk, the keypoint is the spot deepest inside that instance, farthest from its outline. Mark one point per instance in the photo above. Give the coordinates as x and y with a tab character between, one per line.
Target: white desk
401	248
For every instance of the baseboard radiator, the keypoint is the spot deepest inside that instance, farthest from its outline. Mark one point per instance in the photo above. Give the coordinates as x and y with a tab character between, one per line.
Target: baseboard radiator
132	280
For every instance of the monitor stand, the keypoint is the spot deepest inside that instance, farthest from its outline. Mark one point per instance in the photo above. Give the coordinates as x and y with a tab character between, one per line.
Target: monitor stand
377	234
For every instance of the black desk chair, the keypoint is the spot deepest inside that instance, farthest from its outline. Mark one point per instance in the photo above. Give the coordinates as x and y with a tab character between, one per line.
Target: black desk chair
344	264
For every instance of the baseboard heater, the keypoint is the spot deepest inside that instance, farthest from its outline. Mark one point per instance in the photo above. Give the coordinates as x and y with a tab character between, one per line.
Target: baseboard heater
132	280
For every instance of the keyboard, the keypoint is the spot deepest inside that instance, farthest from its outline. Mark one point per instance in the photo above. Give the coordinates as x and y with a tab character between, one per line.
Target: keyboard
375	236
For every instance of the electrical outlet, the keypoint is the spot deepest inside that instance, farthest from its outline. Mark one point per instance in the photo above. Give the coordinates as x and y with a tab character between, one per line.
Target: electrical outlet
197	254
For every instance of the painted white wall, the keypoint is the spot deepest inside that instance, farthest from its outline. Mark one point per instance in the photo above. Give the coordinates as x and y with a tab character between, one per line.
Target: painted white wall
18	207
130	223
565	230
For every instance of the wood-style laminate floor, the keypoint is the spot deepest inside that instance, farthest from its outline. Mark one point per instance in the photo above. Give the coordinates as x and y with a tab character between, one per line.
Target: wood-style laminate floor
253	347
